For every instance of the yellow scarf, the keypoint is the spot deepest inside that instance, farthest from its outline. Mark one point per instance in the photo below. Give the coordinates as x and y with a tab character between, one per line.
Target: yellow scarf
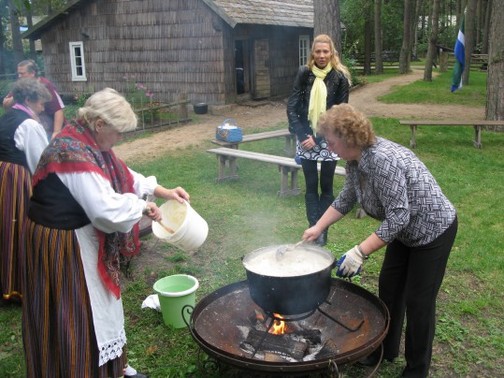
318	96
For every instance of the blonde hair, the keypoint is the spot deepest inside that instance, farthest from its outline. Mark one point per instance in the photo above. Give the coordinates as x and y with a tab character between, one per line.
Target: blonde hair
335	61
347	123
111	107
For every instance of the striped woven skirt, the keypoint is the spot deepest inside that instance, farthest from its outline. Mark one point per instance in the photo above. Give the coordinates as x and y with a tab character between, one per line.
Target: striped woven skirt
58	334
15	192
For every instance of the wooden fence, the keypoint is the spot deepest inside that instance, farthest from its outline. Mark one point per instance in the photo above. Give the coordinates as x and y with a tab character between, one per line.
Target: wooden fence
479	62
159	115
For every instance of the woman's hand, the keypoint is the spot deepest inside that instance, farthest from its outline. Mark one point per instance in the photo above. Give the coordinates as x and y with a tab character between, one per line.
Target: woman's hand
312	233
308	143
178	193
350	263
152	211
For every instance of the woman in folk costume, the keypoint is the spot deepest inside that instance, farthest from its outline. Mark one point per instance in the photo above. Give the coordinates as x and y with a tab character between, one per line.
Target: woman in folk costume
322	83
22	140
83	218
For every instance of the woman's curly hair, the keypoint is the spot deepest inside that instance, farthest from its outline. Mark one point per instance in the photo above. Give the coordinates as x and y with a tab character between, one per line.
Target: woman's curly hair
347	123
30	89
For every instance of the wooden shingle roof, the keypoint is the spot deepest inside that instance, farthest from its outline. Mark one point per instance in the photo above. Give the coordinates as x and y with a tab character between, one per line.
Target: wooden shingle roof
264	12
233	12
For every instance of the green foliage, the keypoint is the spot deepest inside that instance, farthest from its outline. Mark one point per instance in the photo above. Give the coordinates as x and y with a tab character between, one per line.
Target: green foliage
354	13
353	16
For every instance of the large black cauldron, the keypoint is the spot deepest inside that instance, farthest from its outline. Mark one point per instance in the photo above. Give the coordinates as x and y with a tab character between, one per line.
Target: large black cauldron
288	279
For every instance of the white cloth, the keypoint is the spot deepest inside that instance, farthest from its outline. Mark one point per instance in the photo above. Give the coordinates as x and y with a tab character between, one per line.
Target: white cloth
152	301
110	212
30	137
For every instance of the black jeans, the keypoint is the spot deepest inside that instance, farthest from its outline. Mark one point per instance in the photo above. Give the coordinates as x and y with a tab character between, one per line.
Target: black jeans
312	176
409	282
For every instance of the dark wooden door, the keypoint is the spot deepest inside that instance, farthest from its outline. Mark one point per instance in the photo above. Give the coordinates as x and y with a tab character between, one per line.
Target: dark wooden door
261	73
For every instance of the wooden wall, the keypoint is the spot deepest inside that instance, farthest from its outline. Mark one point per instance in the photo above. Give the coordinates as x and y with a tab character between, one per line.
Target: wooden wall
171	47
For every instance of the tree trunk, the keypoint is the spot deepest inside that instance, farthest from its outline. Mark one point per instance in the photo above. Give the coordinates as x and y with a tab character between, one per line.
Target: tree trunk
486	28
470	21
432	48
3	38
414	28
29	21
17	45
495	81
378	37
327	20
368	38
405	54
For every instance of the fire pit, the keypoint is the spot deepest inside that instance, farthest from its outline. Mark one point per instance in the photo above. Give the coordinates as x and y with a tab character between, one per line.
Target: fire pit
230	327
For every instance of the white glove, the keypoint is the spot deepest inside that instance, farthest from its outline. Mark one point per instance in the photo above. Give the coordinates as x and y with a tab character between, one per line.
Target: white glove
350	263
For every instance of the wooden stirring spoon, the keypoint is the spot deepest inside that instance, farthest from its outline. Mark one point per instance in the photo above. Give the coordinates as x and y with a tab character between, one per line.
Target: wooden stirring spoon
167	229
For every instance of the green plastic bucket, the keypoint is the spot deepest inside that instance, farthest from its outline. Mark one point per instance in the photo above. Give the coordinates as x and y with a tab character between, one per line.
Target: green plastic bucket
174	293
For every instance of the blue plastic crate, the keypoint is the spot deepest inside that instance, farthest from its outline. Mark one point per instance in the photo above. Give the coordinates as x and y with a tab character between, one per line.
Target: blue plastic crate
229	132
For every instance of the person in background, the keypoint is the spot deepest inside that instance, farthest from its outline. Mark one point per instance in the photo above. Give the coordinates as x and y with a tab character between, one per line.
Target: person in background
52	118
22	140
323	82
418	227
83	218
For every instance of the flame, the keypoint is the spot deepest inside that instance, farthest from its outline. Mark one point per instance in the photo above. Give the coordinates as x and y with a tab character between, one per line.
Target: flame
279	327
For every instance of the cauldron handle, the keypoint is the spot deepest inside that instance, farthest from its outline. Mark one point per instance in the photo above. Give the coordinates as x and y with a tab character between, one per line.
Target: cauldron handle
375	369
187	311
333	369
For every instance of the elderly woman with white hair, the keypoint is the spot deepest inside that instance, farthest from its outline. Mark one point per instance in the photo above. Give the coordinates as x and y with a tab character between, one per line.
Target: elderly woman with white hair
83	218
22	140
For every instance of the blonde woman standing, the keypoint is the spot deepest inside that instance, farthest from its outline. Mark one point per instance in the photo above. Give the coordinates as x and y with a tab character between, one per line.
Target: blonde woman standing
322	83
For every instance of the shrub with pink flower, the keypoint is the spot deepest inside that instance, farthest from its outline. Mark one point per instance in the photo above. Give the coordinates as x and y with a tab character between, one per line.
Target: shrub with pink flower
141	99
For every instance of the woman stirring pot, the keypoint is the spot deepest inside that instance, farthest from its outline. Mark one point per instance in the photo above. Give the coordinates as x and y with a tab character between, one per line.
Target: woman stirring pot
418	228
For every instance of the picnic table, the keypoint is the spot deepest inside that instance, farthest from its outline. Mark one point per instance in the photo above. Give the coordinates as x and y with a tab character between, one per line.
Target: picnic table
414	123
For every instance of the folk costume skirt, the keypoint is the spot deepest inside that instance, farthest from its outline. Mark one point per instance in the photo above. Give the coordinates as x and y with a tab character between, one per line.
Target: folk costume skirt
58	331
15	192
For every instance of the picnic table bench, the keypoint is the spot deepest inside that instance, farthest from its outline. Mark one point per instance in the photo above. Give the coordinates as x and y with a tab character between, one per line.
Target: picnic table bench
290	139
227	168
414	123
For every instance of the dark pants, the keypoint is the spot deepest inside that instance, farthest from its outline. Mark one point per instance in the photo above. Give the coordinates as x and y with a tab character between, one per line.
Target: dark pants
312	176
409	282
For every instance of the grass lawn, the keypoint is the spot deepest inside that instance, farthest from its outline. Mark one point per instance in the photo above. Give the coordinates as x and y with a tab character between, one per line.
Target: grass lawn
246	214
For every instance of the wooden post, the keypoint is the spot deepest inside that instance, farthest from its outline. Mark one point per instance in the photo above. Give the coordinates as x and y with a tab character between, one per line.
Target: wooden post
183	112
443	61
413	136
477	136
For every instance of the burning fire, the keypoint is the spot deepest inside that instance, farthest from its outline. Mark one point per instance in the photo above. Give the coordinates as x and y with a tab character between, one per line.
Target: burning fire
279	326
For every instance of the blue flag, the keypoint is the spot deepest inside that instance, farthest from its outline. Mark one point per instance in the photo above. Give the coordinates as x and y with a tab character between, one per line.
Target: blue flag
458	68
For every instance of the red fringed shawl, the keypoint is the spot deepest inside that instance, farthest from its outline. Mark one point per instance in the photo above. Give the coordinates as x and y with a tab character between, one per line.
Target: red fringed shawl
74	150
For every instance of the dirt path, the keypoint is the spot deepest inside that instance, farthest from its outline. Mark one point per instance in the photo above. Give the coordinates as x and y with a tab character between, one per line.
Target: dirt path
268	114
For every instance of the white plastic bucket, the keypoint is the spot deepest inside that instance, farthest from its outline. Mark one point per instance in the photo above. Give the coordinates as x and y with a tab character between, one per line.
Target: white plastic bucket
190	229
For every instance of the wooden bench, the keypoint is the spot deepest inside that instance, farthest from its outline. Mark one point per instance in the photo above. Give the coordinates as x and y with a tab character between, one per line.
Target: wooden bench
227	168
290	140
413	124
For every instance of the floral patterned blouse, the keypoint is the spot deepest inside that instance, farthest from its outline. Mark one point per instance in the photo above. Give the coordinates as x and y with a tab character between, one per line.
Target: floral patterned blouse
394	186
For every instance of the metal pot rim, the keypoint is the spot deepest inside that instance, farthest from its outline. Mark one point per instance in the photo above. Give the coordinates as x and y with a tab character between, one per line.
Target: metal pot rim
275	266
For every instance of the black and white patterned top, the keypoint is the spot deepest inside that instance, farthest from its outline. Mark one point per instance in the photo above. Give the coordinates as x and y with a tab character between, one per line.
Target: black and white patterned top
394	186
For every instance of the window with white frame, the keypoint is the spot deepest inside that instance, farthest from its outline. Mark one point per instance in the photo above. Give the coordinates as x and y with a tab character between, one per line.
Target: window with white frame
77	61
304	49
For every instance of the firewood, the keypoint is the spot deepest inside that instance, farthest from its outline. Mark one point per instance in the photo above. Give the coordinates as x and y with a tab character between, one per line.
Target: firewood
278	344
